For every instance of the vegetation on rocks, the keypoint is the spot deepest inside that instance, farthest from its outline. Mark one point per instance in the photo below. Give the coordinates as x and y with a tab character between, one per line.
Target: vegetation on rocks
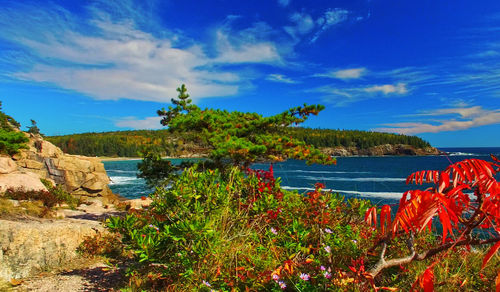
37	203
11	141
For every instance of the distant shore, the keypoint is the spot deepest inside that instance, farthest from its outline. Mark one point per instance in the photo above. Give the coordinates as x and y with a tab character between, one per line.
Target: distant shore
104	158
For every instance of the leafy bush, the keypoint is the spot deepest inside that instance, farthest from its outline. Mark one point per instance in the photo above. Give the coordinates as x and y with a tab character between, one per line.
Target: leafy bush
60	194
465	200
107	245
54	196
11	142
238	231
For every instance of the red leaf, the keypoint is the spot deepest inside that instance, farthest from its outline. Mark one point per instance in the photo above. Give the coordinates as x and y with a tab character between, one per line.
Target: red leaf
444	181
427	280
490	254
445	221
371	216
385	215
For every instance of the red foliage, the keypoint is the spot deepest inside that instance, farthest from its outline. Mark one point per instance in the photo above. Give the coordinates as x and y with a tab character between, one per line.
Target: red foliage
465	197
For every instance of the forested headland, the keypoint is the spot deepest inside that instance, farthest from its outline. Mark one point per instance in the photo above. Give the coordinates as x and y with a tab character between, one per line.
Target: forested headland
132	143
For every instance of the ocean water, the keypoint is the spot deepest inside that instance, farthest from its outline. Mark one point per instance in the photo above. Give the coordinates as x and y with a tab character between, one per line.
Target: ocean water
380	179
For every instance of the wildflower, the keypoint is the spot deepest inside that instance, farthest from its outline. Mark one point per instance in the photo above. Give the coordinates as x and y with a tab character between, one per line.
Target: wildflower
304	276
206	283
328	230
354	241
322	268
273	231
276	277
327	275
282	284
328	249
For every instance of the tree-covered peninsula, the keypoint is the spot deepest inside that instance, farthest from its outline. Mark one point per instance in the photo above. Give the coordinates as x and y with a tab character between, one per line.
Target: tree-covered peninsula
131	143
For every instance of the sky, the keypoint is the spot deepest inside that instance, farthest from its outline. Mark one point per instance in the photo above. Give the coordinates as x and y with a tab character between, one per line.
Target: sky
425	68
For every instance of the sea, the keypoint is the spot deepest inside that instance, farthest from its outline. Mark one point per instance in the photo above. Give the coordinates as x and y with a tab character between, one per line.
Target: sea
380	179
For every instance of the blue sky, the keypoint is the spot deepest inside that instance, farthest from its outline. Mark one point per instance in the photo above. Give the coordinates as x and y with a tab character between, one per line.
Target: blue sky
425	68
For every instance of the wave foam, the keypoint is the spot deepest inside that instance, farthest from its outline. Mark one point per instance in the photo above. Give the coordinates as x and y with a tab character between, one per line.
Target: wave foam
377	179
123	180
319	171
462	154
391	195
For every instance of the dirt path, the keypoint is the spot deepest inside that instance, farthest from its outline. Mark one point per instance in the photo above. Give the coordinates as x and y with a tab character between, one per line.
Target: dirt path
97	277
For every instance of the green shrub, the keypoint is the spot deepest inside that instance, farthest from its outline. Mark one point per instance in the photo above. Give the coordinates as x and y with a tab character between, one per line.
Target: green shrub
54	196
239	231
11	142
60	194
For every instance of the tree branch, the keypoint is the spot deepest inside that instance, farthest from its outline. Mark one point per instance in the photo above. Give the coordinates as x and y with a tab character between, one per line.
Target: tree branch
383	264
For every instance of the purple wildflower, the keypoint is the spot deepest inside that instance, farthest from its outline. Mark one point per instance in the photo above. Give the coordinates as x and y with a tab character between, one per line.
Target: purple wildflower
328	249
206	283
327	275
304	276
328	230
273	231
282	284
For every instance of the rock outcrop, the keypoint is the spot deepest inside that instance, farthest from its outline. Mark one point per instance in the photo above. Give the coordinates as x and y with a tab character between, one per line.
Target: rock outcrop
381	150
83	177
29	247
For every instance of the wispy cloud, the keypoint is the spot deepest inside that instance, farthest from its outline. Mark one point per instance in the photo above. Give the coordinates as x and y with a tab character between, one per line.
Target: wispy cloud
463	118
109	57
138	124
280	78
386	89
344	74
343	96
330	18
303	24
245	48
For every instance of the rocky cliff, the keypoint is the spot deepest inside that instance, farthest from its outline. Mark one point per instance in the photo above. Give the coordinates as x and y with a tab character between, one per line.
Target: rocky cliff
381	150
83	177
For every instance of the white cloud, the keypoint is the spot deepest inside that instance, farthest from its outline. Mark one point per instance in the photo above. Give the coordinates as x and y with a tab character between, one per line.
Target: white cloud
344	74
280	78
345	96
109	58
330	18
465	118
246	52
284	3
399	88
306	25
303	24
136	124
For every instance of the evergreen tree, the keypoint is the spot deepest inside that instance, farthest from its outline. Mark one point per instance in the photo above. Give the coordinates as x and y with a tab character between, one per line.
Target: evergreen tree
33	129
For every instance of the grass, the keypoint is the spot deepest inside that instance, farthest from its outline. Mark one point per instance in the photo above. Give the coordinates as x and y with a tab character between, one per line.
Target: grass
9	210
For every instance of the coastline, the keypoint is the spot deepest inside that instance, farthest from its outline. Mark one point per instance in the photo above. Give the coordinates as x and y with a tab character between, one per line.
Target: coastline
105	158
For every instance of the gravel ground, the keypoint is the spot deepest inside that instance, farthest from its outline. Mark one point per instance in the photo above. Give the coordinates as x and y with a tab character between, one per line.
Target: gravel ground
97	277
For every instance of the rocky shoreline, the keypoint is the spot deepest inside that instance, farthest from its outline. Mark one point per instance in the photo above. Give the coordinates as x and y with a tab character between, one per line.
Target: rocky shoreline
341	151
382	150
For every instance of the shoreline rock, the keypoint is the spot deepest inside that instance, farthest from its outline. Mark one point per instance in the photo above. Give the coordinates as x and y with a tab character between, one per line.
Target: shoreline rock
83	177
382	150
